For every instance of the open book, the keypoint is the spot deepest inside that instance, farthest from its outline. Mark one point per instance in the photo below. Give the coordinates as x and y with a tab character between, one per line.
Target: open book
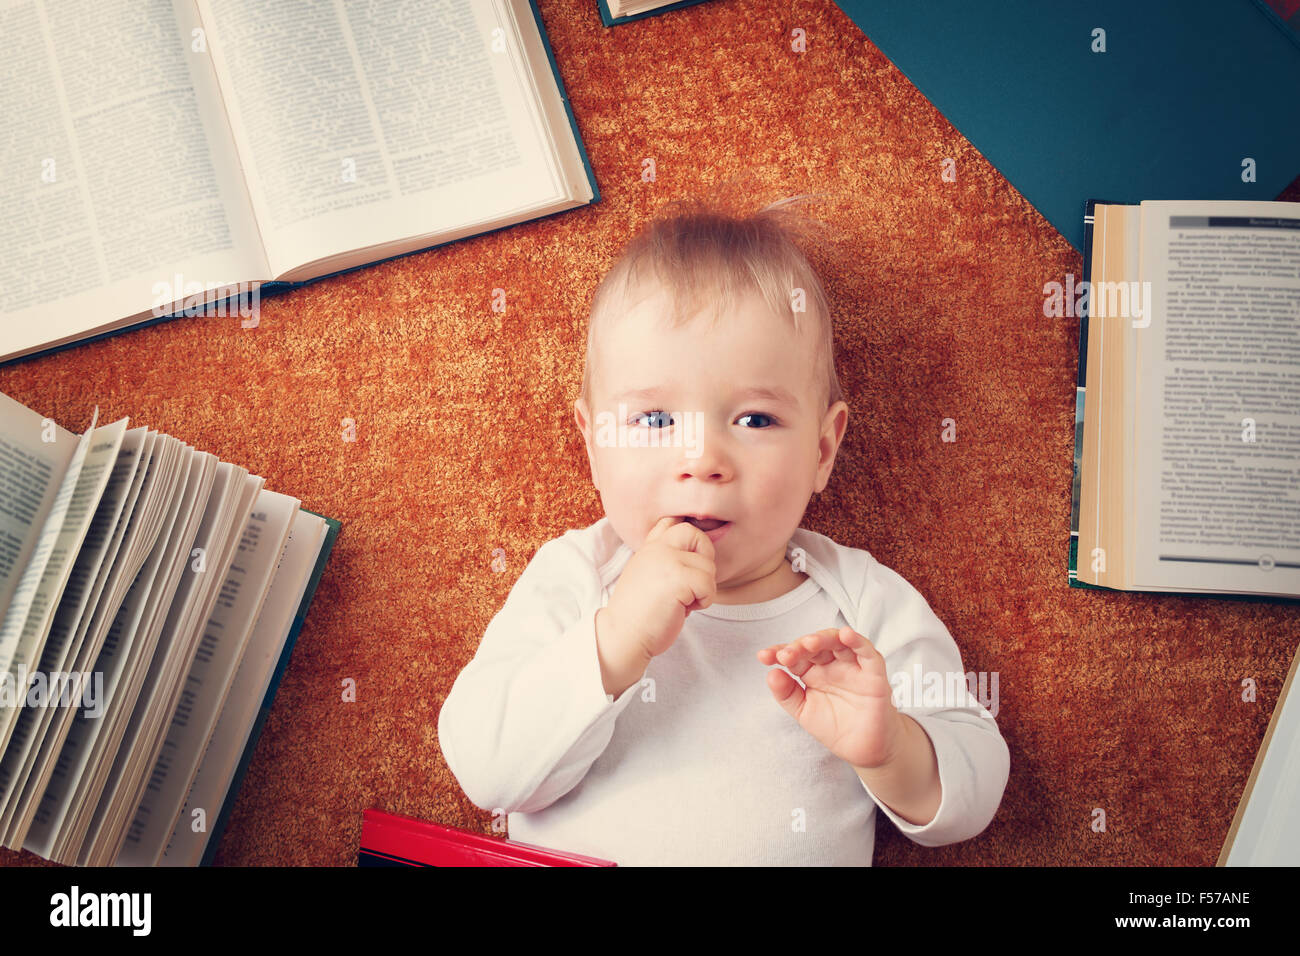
1187	448
167	154
613	12
149	597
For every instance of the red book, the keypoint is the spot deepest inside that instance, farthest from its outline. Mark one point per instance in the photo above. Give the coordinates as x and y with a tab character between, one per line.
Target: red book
391	840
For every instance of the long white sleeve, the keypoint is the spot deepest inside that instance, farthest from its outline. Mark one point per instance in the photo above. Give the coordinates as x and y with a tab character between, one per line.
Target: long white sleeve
528	715
974	761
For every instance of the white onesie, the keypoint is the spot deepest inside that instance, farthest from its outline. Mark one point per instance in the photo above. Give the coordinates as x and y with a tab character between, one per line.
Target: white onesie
698	764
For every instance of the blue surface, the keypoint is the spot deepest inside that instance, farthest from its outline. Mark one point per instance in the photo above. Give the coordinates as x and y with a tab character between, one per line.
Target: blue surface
1184	92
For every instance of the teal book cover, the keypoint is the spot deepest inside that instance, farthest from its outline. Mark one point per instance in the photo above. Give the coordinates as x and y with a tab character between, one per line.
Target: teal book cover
1165	99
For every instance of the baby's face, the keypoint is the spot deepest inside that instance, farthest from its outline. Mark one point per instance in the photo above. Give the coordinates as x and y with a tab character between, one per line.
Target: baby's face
724	449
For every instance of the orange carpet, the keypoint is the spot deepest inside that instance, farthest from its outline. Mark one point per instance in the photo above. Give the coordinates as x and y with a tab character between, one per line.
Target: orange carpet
466	445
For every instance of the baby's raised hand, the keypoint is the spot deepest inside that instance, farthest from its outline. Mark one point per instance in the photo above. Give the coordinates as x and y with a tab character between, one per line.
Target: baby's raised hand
672	574
848	704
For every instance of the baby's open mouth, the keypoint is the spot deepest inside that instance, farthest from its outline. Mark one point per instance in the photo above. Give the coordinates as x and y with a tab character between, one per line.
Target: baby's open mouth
704	524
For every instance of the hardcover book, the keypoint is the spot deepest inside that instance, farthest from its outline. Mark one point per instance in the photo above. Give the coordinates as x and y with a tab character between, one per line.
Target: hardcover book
148	604
1187	421
1163	99
235	149
388	839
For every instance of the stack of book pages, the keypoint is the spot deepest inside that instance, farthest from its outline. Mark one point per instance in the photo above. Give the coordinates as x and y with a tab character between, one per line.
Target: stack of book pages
149	598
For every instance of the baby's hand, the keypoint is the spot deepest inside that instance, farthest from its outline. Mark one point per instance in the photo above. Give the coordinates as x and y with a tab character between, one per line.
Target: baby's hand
671	575
848	704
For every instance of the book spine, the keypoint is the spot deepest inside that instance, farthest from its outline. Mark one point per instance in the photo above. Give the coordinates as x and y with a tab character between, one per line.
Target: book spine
1080	397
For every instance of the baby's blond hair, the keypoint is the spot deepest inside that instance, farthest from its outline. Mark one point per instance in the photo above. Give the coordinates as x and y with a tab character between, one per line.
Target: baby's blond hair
693	249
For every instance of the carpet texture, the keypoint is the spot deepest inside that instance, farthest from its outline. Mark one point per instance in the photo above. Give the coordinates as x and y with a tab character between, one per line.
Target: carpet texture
466	449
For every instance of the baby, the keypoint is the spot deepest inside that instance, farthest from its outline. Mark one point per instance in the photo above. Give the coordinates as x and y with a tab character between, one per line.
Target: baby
615	705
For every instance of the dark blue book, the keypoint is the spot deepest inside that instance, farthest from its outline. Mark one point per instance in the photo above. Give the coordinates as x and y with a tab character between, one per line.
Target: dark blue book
1164	99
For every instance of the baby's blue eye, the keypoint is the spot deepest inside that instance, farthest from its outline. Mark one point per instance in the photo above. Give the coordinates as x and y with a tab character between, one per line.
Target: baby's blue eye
767	418
660	416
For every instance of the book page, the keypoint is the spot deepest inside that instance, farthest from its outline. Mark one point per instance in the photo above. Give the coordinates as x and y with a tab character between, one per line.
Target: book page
211	674
155	476
630	8
1105	494
210	557
51	516
34	454
157	582
236	509
248	692
362	123
1218	399
83	646
83	589
83	501
120	177
89	736
168	592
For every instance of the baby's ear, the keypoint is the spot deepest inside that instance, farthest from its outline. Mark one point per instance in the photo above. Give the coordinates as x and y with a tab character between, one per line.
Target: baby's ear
582	418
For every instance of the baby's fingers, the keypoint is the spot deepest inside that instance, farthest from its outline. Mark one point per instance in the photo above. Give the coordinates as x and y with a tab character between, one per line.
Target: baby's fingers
857	644
784	654
794	650
660	529
820	647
